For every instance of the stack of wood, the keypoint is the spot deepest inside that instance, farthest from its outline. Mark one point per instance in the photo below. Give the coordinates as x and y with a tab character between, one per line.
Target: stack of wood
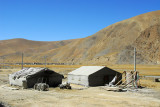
130	79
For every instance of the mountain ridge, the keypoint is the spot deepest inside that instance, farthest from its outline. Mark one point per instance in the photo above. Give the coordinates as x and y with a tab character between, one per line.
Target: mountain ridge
106	46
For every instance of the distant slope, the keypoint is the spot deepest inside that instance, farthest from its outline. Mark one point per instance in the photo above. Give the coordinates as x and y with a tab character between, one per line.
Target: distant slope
20	45
111	45
13	48
108	45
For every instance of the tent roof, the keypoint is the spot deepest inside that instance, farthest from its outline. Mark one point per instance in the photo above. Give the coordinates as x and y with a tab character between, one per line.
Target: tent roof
29	71
86	70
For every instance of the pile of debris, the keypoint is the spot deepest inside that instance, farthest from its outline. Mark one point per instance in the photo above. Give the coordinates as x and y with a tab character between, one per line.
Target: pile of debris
41	87
130	82
65	86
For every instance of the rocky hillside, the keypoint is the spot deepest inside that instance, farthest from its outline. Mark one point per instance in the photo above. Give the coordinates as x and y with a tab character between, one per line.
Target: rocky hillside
114	44
111	45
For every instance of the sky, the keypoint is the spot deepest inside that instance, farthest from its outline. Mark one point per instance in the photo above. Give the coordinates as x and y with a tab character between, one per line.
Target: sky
54	20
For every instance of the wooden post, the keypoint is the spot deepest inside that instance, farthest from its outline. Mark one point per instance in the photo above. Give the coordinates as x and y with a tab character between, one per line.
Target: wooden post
129	77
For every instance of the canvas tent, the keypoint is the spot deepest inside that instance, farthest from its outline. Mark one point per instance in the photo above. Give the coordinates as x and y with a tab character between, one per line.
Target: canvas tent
93	76
33	75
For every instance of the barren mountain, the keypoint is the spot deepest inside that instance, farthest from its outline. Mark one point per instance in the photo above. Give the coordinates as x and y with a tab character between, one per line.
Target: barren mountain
113	44
13	48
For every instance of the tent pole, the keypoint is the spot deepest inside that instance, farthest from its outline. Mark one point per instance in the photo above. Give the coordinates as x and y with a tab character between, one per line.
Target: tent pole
45	61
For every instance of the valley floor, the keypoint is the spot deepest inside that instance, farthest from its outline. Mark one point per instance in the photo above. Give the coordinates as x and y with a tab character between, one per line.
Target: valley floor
90	97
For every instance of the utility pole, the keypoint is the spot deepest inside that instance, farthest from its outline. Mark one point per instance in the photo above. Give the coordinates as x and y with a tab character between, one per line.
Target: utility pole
22	60
45	60
135	59
3	62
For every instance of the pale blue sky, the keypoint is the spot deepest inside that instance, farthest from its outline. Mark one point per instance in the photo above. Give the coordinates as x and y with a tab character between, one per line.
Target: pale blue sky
53	20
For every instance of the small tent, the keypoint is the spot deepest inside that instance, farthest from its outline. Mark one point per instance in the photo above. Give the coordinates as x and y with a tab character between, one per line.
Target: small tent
93	76
31	76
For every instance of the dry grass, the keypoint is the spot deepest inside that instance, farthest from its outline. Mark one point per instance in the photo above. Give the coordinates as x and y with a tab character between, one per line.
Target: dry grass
143	69
150	83
65	69
49	66
142	72
138	66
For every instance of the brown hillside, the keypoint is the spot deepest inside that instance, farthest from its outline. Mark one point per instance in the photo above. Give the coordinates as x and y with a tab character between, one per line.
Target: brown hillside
12	49
106	45
113	44
147	45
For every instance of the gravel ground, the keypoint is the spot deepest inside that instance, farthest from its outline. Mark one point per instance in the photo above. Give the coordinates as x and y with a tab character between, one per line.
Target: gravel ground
91	97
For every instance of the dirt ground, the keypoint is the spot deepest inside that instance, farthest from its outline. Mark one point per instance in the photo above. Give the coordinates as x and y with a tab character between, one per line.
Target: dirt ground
90	97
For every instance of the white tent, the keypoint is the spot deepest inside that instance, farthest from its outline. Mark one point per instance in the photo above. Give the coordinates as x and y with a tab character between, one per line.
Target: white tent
92	75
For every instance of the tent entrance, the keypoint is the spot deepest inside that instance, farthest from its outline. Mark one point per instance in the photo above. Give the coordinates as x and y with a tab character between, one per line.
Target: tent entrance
108	78
43	80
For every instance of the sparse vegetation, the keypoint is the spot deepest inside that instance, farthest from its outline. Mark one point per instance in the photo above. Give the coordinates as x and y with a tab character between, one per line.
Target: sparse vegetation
150	83
144	70
74	96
